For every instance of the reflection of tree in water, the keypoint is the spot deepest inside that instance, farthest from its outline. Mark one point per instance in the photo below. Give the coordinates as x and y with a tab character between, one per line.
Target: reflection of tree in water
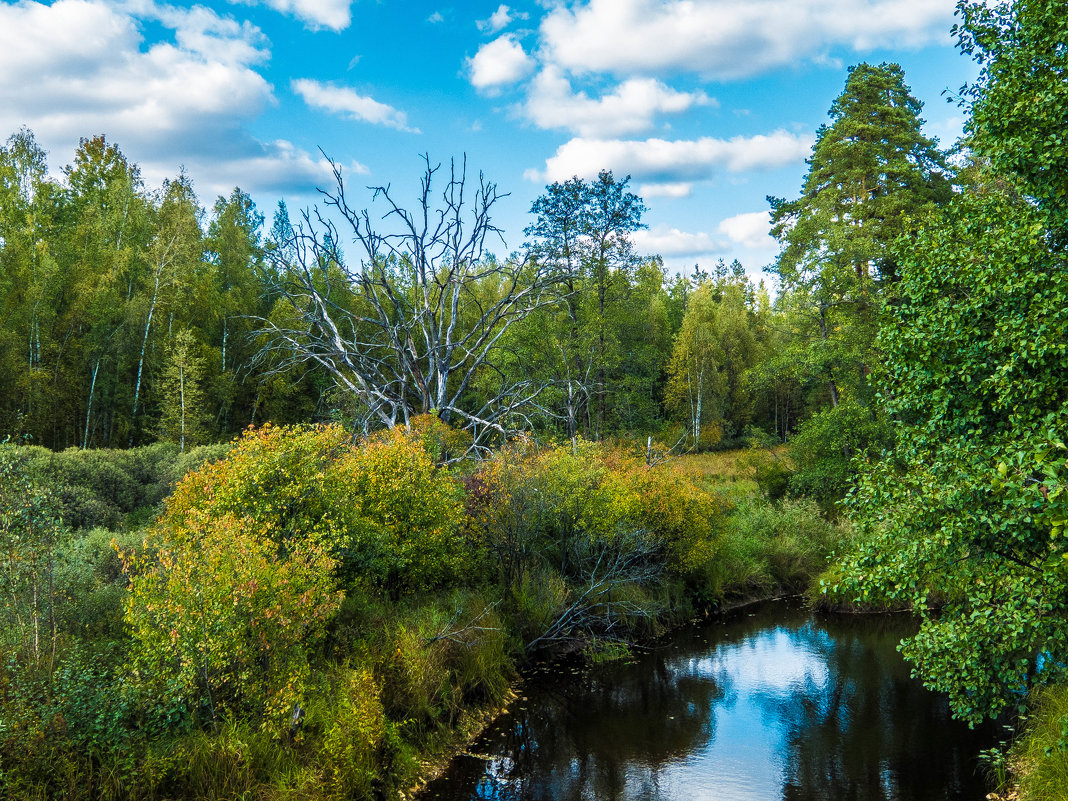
872	733
854	725
604	734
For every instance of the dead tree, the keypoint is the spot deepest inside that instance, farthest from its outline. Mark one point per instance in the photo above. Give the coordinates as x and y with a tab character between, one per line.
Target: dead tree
411	327
592	608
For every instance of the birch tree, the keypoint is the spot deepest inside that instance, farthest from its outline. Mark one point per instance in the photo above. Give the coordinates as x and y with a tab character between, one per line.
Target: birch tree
182	418
694	380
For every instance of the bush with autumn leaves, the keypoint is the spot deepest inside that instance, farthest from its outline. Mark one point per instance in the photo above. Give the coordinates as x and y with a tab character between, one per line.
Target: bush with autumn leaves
237	581
311	613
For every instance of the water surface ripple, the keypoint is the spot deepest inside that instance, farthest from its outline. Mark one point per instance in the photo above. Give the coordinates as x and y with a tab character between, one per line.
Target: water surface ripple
774	703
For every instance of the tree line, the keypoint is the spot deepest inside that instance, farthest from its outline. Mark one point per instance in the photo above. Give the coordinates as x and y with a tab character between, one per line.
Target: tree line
126	311
132	315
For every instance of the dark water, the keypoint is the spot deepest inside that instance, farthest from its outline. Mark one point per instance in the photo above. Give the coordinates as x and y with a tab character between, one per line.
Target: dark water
774	703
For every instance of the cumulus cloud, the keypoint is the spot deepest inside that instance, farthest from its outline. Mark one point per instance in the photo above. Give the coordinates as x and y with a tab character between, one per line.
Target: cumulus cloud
435	18
724	39
662	161
682	189
500	19
81	67
315	14
351	104
629	109
77	67
750	230
671	243
498	63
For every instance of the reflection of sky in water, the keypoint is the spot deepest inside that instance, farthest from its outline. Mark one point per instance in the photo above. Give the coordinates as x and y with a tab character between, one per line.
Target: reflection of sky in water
746	757
775	706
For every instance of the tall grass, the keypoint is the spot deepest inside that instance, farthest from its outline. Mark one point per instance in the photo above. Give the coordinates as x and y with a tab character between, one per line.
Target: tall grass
776	547
1040	756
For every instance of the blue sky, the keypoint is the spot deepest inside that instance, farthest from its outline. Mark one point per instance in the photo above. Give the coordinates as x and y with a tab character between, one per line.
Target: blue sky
710	105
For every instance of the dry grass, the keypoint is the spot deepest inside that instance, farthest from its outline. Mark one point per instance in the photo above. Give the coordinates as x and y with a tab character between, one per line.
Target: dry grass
730	472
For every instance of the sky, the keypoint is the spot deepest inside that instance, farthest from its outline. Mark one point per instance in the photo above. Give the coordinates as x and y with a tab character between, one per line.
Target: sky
708	105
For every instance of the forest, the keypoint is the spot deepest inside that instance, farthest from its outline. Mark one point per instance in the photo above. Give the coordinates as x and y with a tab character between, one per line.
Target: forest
285	510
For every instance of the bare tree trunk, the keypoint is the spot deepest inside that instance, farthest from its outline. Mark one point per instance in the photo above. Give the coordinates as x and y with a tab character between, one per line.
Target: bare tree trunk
89	409
144	341
181	397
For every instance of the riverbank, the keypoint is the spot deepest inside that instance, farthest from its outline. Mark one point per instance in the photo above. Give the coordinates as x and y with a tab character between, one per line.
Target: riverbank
1034	766
770	700
312	619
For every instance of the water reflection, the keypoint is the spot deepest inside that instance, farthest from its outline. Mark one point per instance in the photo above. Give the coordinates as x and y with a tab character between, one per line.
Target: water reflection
773	704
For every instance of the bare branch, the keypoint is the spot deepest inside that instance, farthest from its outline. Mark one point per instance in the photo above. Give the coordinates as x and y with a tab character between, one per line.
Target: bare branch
415	322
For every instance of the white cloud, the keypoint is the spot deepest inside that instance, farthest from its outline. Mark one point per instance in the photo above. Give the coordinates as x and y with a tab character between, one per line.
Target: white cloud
333	14
726	39
500	62
500	19
750	230
662	161
273	168
629	109
77	68
435	18
671	243
682	189
347	102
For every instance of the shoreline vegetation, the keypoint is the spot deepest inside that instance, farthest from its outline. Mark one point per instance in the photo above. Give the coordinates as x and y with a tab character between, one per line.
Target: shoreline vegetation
307	640
299	615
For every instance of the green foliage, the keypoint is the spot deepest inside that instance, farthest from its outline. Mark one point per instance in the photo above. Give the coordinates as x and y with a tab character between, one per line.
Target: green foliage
183	418
383	509
353	729
965	523
1018	102
873	176
222	620
776	547
771	473
576	508
602	348
715	345
829	445
404	515
31	546
112	488
98	278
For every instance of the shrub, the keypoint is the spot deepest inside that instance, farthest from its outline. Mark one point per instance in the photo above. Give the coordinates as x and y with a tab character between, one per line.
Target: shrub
777	546
354	728
405	514
582	535
825	446
223	617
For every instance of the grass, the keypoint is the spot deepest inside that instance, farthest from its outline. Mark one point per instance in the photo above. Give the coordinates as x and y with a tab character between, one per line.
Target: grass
1039	758
730	472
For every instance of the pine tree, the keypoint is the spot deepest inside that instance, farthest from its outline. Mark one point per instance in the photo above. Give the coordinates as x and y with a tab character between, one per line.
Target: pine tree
871	175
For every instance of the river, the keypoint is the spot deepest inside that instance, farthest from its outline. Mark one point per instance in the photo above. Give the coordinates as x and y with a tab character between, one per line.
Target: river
774	702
